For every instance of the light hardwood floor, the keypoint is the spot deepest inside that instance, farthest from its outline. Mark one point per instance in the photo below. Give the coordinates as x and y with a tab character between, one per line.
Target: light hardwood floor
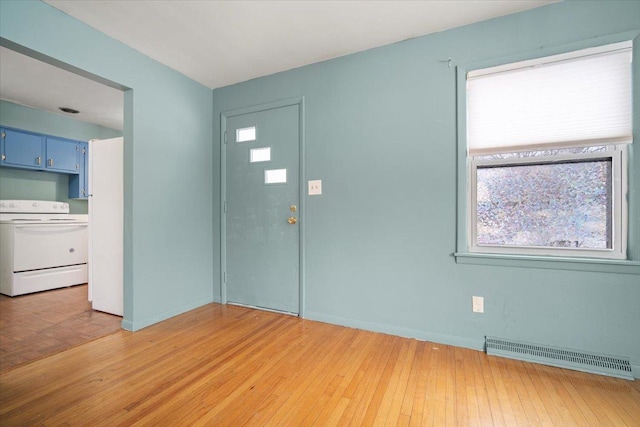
231	366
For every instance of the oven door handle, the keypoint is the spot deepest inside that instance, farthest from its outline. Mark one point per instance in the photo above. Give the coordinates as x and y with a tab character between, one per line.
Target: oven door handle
52	226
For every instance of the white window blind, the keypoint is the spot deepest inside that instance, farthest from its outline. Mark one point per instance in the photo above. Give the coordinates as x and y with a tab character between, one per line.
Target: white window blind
559	100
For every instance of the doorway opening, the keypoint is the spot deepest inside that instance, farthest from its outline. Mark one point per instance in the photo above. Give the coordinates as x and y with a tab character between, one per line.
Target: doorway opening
34	87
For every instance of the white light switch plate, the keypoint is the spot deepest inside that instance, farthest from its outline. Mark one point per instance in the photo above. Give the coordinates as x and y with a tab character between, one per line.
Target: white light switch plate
315	187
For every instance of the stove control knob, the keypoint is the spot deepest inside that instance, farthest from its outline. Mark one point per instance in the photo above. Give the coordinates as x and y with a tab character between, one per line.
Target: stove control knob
12	205
35	204
54	206
3	204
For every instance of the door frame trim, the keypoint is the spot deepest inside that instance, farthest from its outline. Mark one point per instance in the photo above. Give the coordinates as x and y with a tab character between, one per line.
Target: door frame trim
299	101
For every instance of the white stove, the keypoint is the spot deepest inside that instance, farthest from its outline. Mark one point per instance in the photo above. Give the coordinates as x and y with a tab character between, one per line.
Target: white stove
42	246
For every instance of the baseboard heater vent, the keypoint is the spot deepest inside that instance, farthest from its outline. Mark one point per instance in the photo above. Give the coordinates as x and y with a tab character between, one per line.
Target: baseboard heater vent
613	366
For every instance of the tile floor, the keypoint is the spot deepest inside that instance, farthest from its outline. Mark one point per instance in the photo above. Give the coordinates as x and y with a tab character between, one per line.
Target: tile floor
41	324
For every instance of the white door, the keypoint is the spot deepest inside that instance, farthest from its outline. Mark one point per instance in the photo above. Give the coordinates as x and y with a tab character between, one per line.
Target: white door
106	230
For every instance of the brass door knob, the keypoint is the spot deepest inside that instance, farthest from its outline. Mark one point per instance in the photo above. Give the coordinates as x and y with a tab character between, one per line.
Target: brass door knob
292	220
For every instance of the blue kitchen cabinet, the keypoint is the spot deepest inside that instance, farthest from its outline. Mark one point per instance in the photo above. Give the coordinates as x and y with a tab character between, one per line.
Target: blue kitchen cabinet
29	150
62	155
79	184
22	149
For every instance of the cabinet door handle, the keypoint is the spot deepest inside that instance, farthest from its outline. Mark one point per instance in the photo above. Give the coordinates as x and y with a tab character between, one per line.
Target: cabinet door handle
38	160
50	162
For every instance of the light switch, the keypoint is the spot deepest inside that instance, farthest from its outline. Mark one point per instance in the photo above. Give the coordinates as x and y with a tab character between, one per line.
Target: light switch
315	187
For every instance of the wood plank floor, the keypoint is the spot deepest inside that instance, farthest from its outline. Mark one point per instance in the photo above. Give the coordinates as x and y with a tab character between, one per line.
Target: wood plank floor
232	366
37	325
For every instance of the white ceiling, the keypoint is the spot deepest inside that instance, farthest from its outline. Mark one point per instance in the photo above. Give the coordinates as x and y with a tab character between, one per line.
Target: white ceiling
219	43
27	81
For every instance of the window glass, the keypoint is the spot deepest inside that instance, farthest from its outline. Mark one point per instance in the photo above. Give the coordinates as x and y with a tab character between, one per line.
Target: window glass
246	134
260	155
275	176
565	205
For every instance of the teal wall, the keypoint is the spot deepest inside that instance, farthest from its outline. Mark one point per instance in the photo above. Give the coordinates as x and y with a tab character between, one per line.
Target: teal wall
32	185
381	134
168	160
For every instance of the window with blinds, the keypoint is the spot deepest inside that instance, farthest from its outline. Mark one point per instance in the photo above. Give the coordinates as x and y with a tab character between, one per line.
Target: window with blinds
546	142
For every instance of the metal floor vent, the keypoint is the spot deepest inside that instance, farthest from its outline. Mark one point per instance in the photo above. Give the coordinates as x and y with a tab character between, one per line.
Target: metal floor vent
613	366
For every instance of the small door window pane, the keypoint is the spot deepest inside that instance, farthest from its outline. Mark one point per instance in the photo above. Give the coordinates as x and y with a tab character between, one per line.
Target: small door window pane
246	134
275	176
260	154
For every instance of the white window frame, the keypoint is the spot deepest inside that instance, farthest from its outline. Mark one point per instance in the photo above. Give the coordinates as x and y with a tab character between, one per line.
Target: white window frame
469	251
618	156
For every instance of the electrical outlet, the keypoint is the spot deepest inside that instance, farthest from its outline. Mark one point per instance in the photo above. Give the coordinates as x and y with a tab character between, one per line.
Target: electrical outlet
478	304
